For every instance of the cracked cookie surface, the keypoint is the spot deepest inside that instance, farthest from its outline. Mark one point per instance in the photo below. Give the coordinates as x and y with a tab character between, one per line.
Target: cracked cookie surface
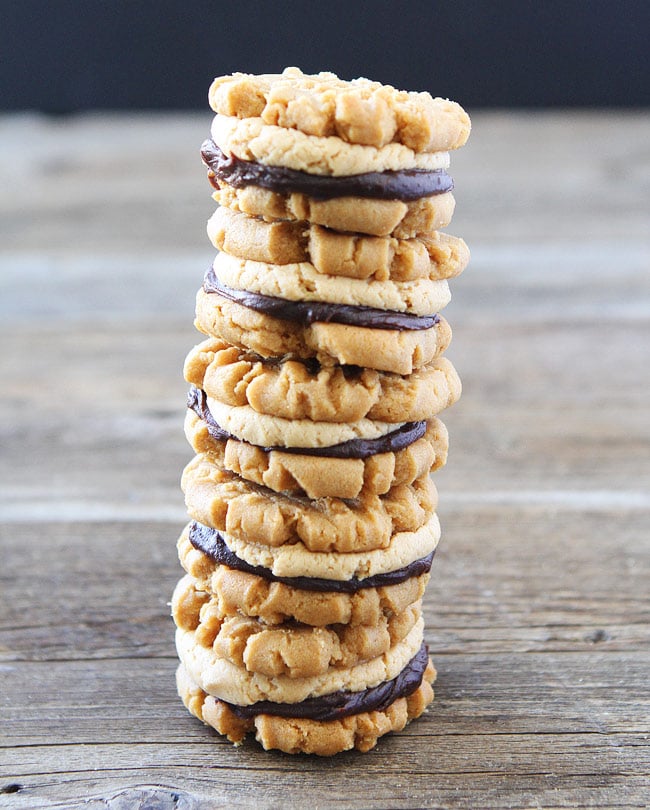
290	649
296	560
402	220
358	111
436	256
231	683
291	390
228	503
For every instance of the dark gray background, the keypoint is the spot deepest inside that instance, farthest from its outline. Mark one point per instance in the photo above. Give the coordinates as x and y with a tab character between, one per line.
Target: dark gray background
63	56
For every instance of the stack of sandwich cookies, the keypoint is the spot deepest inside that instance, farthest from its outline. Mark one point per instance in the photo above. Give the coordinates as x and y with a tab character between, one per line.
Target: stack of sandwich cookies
313	410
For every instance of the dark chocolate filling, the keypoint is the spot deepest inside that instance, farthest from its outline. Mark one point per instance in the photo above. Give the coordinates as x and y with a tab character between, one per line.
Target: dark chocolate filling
354	448
212	544
405	185
308	312
343	704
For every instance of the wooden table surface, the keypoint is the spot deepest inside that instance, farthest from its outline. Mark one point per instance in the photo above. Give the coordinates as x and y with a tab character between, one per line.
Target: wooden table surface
537	611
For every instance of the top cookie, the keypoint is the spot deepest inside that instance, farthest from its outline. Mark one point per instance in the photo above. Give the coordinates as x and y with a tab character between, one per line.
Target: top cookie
359	111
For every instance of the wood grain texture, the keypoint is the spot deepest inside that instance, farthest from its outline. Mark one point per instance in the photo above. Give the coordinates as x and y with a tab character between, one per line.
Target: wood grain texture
537	613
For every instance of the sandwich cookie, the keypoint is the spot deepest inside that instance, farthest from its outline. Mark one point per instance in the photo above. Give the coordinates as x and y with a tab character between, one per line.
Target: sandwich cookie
378	202
239	587
366	467
406	699
329	333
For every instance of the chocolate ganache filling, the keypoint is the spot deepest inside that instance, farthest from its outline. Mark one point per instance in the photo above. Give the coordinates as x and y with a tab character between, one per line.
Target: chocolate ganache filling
308	312
406	185
354	448
343	704
212	544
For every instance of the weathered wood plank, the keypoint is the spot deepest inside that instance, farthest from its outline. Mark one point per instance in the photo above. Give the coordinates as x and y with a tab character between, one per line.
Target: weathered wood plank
558	417
558	582
574	719
564	721
537	612
491	784
266	790
99	702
